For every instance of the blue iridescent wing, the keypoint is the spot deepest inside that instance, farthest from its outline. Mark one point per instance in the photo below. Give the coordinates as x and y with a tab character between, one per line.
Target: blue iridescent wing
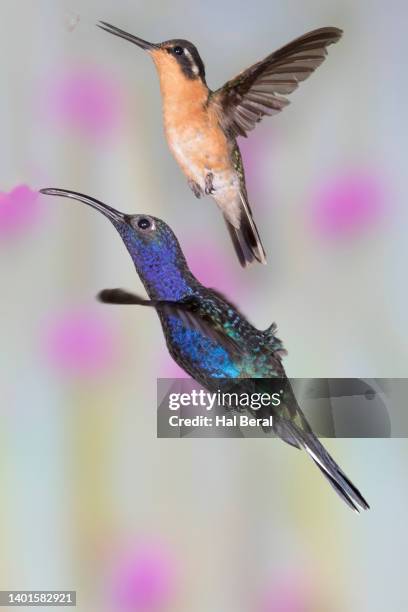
194	314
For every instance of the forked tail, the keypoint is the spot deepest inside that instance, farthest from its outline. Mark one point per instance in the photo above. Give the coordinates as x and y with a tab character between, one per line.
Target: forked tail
246	239
303	437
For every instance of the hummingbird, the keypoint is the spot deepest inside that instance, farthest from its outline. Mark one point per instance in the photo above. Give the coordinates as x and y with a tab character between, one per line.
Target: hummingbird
206	335
202	126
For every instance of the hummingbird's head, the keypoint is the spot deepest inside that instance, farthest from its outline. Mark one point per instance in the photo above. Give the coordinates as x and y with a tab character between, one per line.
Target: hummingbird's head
177	56
184	55
151	243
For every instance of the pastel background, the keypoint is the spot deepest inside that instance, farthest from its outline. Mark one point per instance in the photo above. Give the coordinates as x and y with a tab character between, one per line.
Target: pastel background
90	499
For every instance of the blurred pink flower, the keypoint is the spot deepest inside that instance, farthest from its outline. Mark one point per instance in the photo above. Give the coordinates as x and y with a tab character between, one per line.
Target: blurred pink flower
349	203
212	266
86	100
288	593
169	369
19	210
144	579
80	342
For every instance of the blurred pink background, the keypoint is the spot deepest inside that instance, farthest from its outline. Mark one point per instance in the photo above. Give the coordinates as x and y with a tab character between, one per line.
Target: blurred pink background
91	500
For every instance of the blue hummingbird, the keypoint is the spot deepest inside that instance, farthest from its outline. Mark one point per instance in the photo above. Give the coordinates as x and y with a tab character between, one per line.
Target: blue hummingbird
206	335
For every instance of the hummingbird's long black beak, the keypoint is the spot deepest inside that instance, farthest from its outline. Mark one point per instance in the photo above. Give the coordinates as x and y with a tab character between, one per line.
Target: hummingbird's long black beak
108	211
143	44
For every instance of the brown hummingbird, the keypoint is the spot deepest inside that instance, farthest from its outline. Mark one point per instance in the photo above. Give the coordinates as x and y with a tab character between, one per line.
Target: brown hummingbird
202	125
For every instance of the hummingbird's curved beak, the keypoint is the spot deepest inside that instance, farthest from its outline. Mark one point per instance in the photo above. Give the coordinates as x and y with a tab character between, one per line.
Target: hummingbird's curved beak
143	44
108	211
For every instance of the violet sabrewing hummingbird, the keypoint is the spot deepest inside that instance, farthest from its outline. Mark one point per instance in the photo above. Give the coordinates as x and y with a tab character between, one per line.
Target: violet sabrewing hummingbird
207	335
202	125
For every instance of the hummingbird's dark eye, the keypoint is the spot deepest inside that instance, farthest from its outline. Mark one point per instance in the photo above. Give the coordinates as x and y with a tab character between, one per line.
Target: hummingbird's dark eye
144	223
178	50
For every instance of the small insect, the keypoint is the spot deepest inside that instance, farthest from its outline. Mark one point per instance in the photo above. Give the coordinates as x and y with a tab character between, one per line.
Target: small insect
71	20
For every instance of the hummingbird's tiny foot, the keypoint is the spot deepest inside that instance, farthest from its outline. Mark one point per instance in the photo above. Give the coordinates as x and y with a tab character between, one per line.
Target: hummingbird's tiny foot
195	188
209	186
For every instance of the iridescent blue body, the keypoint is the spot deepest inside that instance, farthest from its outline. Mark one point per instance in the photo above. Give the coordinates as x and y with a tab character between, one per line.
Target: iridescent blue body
164	272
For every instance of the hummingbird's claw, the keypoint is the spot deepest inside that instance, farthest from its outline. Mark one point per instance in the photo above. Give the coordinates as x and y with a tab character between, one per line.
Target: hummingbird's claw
209	187
195	188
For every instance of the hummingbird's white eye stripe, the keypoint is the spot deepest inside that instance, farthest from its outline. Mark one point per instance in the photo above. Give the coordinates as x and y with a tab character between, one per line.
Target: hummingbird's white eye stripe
193	65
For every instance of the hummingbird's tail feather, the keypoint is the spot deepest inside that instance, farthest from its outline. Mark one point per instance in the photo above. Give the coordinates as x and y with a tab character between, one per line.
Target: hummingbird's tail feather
246	239
243	250
343	486
336	477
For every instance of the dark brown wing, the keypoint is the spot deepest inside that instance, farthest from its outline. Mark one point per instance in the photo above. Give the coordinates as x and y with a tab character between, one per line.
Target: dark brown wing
191	311
259	90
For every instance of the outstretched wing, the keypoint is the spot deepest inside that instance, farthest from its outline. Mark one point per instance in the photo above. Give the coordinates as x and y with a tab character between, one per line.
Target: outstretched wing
260	90
192	312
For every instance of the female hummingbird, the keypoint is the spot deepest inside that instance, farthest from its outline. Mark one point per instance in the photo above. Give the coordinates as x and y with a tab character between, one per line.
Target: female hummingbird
207	336
202	126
